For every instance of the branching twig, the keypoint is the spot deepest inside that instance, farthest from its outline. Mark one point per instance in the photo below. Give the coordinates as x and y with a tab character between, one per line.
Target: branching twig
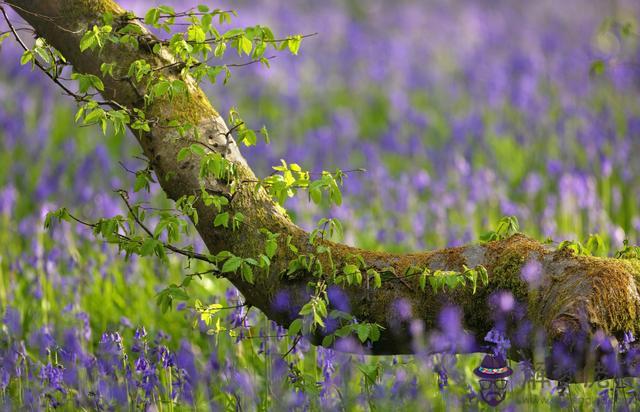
293	346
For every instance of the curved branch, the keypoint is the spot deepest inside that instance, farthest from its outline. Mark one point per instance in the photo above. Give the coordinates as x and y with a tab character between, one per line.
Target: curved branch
575	297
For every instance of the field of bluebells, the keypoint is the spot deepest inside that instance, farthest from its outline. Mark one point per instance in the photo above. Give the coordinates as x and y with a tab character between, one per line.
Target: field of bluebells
461	112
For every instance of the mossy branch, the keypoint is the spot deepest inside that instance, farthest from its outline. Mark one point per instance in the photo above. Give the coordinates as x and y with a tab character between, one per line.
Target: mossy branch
575	296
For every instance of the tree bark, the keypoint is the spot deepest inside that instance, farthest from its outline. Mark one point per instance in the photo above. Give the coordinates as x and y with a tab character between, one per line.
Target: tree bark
576	295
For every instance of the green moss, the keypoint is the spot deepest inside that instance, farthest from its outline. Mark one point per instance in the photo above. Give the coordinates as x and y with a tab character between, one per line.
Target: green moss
614	306
76	10
506	275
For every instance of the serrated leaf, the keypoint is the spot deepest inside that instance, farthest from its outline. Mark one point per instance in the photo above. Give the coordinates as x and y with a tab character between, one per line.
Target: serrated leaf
270	247
363	332
232	264
374	333
247	273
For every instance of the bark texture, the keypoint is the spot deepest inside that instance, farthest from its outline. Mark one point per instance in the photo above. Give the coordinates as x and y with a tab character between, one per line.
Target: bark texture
575	297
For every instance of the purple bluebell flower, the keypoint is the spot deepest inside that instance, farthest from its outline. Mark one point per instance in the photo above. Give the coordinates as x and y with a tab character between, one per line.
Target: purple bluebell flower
42	340
532	273
52	376
281	301
338	299
12	320
604	401
403	309
165	357
8	197
86	327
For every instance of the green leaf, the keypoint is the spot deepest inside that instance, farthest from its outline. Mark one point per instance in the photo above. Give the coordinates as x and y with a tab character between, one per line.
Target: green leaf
247	272
3	37
363	332
85	81
27	57
423	278
96	83
271	245
142	182
306	309
265	262
374	333
197	150
328	340
222	219
245	45
293	44
196	34
107	69
88	41
350	269
318	319
483	274
597	68
259	50
295	327
161	88
265	134
94	116
377	279
148	247
232	264
219	51
152	16
183	153
248	137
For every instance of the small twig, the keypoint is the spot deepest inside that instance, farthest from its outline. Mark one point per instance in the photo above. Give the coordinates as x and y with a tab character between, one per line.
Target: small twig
56	79
125	168
30	30
224	307
213	149
41	16
207	272
183	252
36	62
293	346
125	198
222	38
186	13
183	64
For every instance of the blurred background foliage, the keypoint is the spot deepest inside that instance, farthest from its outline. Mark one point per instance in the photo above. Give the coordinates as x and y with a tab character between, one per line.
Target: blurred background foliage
461	112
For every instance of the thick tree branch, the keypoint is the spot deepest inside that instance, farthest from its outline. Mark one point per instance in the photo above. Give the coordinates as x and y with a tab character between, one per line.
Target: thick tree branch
575	297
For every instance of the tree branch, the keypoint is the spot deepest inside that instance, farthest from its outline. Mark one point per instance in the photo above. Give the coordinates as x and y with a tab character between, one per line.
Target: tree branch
575	296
